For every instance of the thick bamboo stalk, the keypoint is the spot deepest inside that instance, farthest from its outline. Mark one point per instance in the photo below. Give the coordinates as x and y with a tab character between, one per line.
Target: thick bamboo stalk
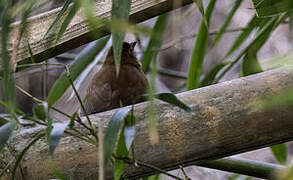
78	32
223	122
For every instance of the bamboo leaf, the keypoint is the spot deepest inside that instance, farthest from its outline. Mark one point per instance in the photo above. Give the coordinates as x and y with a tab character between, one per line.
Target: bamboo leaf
55	135
211	75
75	7
172	99
267	8
250	64
88	7
86	56
31	53
59	16
254	22
154	42
39	112
5	132
129	130
120	11
8	77
118	169
199	49
280	153
111	134
227	22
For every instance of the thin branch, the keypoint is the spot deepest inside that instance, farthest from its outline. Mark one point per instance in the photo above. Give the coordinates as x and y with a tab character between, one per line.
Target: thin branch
140	163
81	103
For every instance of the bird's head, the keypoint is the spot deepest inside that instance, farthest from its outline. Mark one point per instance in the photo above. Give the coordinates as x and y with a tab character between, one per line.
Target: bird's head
127	55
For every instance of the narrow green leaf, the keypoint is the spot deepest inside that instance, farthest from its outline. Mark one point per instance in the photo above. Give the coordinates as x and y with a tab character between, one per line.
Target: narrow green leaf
154	177
49	122
200	6
88	7
72	120
5	133
8	78
129	130
280	153
254	22
172	99
59	16
75	7
199	49
55	135
86	56
39	112
31	52
267	8
112	131
120	11
227	22
250	64
211	75
155	42
118	169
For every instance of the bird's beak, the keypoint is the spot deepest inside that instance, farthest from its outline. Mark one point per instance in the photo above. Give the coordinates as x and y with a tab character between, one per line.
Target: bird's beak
132	45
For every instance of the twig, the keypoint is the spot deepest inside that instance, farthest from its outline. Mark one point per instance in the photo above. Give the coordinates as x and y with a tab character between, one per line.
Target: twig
28	94
139	163
81	103
88	139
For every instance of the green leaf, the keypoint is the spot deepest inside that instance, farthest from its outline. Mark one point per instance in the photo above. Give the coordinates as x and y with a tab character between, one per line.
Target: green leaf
199	49
172	99
72	120
211	75
254	22
118	169
75	7
124	143
227	22
200	6
120	11
59	16
280	153
250	64
31	53
154	177
112	131
155	42
5	133
129	130
267	8
8	77
88	7
39	112
55	135
86	56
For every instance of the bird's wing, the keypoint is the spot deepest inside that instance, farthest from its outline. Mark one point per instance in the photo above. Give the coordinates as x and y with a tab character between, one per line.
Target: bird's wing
99	98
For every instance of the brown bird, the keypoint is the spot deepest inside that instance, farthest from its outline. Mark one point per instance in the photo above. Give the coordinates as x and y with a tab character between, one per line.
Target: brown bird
107	91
